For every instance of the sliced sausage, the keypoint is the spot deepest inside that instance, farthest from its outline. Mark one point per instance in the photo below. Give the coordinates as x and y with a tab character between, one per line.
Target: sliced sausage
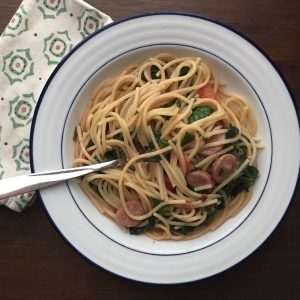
224	167
214	149
198	178
135	207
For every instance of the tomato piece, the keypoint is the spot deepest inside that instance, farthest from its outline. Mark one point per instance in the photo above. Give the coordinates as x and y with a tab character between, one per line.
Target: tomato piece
207	92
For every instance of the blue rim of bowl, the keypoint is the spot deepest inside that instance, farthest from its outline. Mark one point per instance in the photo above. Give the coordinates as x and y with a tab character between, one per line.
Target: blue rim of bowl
165	13
190	47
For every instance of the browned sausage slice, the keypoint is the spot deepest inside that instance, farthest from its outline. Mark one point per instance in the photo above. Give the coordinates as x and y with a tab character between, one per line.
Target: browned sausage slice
214	149
135	207
224	167
198	178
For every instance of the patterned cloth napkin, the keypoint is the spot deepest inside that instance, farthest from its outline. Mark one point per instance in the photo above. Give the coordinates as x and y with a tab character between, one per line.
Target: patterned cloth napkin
37	37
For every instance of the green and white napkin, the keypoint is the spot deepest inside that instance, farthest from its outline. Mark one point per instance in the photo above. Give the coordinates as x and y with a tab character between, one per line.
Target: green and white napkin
38	36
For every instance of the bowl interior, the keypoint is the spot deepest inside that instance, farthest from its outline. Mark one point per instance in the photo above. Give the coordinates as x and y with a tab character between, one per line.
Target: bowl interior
235	82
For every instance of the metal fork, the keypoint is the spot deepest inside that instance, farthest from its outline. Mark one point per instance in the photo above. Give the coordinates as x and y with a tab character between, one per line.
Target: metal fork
31	182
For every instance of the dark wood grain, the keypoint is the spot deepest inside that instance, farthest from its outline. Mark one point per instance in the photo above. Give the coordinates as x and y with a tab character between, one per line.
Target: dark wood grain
35	263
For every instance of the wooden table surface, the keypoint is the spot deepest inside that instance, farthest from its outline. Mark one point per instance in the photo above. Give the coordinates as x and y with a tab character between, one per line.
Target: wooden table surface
35	263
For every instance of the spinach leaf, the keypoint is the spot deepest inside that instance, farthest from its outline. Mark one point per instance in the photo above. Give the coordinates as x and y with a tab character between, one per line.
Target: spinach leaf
166	117
156	133
199	112
133	133
154	159
236	187
183	71
182	229
142	229
119	136
221	202
111	154
243	182
154	201
211	210
240	152
169	104
154	70
188	137
161	143
143	77
163	210
250	174
231	132
90	144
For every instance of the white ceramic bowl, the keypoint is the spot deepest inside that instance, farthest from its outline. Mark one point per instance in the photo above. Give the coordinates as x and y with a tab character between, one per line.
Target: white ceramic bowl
244	68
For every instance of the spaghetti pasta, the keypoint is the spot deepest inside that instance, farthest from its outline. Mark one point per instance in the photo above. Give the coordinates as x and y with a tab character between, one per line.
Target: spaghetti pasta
187	147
